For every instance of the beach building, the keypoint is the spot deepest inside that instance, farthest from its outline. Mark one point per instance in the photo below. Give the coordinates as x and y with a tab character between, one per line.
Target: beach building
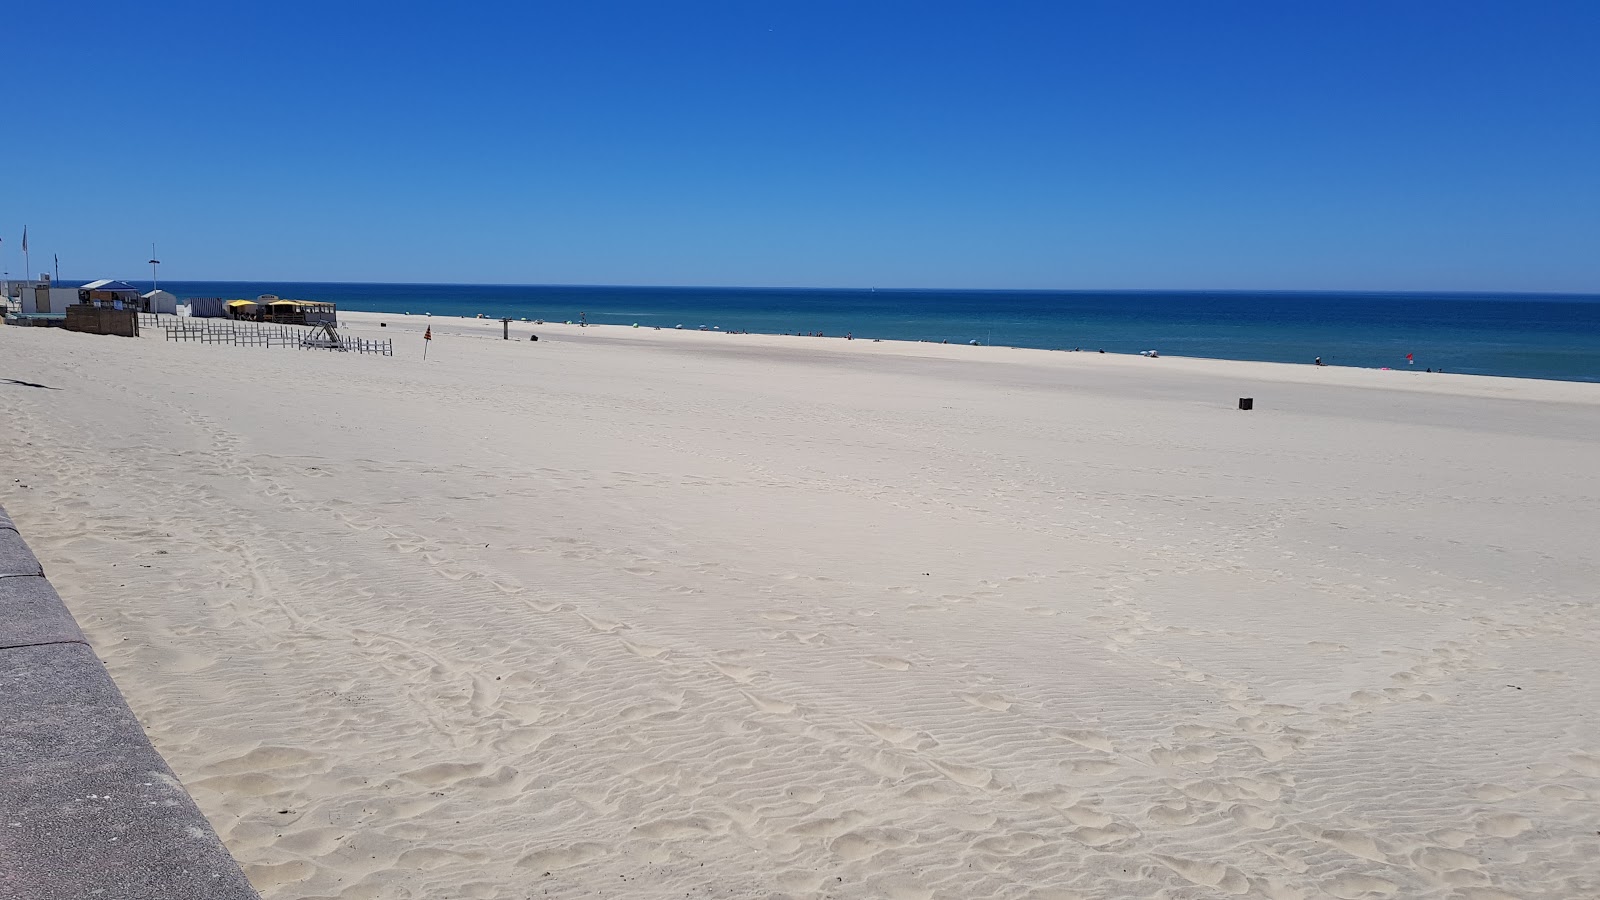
164	302
207	308
272	308
43	298
300	312
109	293
99	307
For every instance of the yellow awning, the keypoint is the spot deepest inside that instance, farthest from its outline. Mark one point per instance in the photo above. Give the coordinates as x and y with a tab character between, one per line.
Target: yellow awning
241	303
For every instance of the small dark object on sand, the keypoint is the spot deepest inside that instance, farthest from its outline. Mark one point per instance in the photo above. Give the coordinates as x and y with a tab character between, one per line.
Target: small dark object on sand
1247	403
533	337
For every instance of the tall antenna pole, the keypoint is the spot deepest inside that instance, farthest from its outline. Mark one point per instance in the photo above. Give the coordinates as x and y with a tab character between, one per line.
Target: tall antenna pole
153	263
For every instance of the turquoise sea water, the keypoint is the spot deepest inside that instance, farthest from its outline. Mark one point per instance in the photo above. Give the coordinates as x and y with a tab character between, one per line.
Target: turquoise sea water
1529	336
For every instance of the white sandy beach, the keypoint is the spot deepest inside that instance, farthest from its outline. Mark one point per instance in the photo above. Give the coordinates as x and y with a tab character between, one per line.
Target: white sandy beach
640	614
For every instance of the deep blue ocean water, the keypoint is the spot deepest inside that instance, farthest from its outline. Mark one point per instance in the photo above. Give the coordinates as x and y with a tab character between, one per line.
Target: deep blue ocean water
1529	336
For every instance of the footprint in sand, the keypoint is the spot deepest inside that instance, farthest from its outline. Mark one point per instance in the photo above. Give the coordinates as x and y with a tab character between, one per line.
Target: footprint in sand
1094	740
904	889
692	827
563	857
647	651
1010	844
443	773
770	705
799	881
1442	860
1354	843
807	795
1273	749
809	638
1252	817
971	776
1207	874
1191	755
1585	764
984	700
894	734
1493	793
1173	813
1504	825
1086	816
828	827
604	626
1091	767
1561	792
893	663
266	876
1362	887
1100	838
740	674
869	842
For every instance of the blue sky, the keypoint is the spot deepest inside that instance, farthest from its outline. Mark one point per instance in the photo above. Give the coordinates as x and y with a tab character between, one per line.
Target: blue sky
1386	146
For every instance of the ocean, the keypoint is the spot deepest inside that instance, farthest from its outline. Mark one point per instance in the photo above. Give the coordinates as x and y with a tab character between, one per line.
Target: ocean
1527	336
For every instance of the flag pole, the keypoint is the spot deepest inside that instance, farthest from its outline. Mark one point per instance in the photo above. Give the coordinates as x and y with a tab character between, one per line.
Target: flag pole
27	261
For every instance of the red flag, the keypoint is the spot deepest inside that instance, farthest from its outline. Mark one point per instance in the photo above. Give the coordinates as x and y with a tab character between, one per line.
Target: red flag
1409	359
428	335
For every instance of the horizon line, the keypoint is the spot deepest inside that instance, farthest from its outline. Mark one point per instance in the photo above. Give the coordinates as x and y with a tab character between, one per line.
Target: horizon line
871	289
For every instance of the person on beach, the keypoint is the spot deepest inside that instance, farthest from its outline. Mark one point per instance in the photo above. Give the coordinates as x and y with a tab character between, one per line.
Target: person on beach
1319	361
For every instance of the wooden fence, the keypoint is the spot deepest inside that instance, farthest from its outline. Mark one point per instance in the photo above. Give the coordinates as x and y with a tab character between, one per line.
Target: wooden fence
257	334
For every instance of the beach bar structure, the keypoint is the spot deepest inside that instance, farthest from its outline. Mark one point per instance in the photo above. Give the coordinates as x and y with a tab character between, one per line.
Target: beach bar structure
299	312
274	309
111	294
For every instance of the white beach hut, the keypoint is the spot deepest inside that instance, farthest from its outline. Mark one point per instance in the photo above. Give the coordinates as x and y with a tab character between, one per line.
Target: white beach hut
160	302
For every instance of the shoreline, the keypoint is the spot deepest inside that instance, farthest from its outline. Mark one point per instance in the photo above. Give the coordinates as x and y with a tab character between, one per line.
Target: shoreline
1501	335
1448	382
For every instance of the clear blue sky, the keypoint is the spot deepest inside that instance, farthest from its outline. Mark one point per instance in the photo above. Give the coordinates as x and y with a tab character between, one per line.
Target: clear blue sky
1388	145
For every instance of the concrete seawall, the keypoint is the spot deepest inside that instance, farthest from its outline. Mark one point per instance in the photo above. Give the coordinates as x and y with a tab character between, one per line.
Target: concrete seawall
87	807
